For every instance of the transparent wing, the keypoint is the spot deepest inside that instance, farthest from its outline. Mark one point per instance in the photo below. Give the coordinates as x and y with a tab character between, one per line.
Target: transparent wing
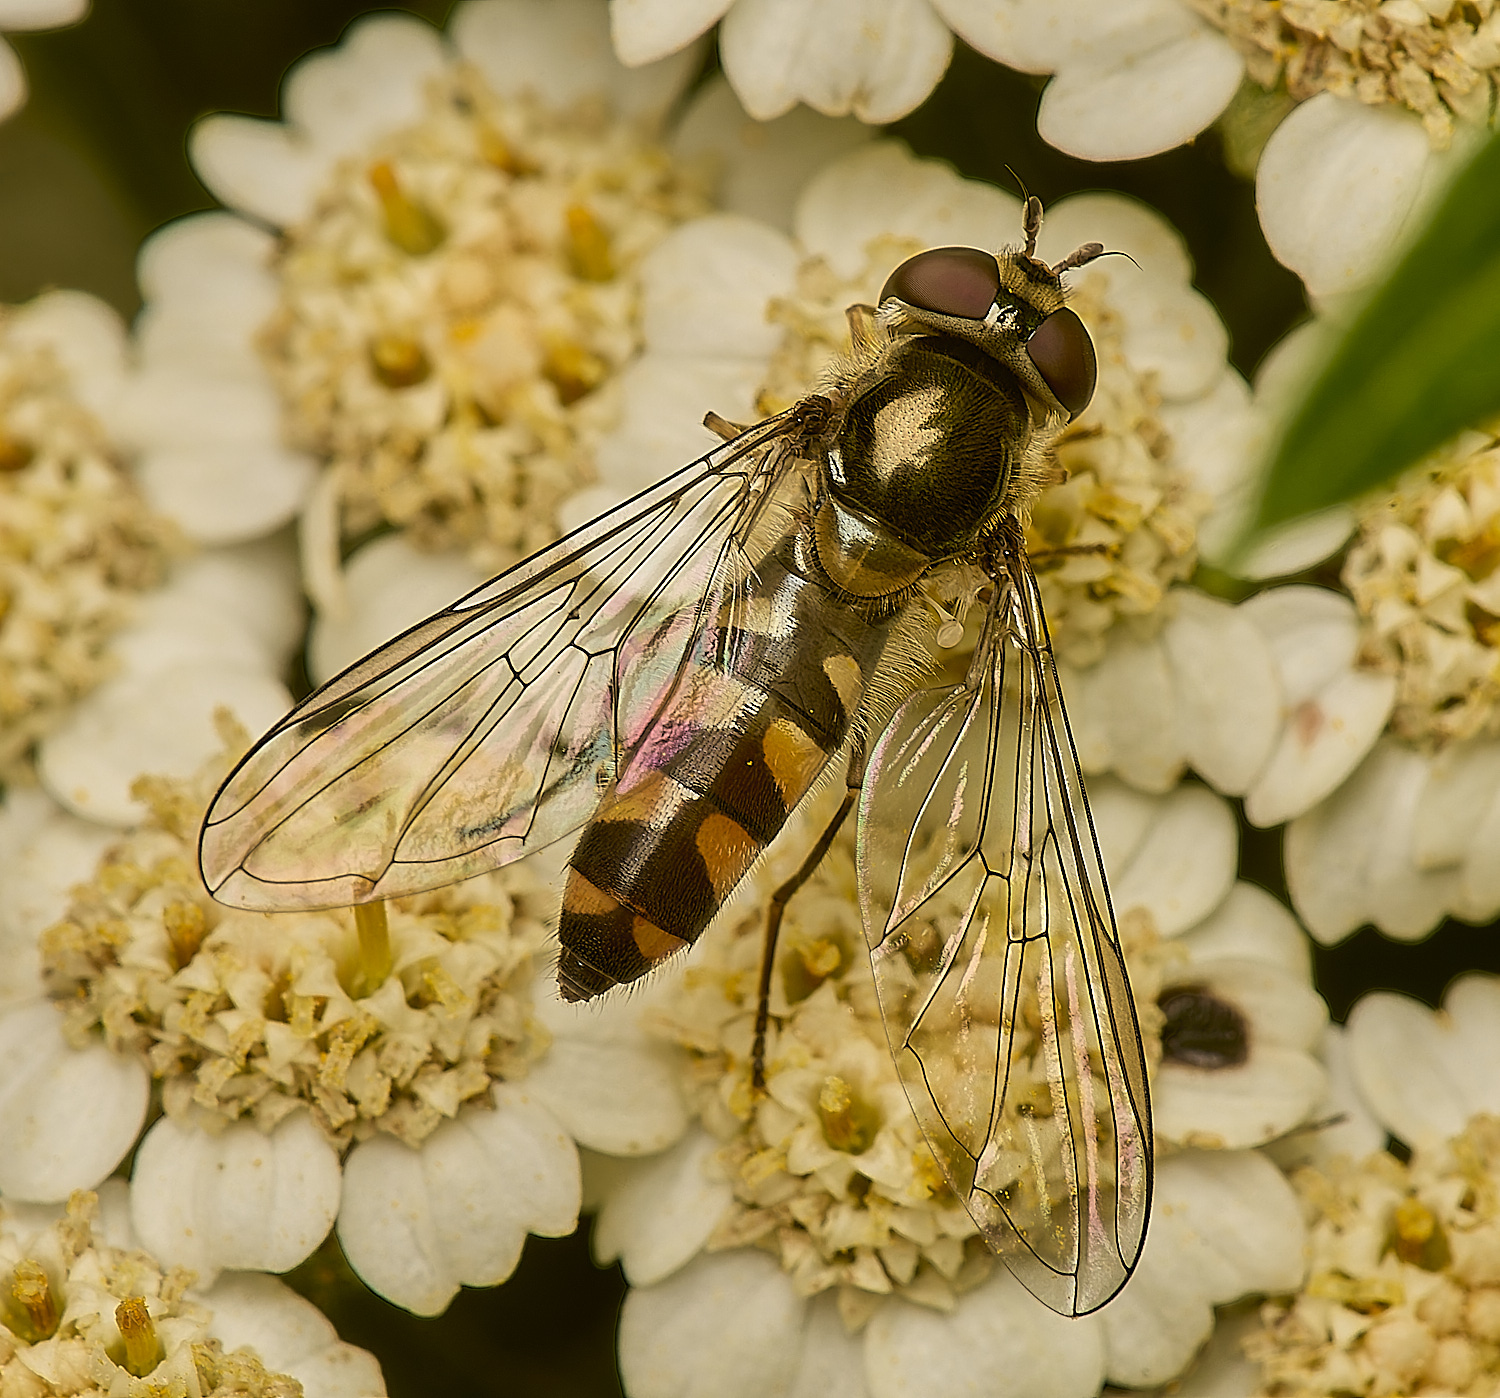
999	969
491	728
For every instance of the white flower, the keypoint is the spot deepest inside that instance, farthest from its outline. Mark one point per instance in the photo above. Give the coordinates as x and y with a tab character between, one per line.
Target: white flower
89	1312
394	1076
77	543
786	1257
876	58
1404	1259
1373	95
28	14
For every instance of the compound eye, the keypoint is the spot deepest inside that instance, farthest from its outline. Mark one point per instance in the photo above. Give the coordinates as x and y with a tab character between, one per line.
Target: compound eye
950	281
1063	354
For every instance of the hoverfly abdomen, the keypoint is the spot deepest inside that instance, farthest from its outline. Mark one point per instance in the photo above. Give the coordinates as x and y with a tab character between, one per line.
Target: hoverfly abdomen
769	701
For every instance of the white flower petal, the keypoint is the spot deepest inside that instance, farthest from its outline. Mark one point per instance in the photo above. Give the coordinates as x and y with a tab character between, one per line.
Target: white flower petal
88	338
882	190
158	723
1215	439
1298	544
1403	1058
706	286
241	1199
1122	818
1169	331
728	1325
258	167
1313	634
1349	860
417	1224
291	1336
225	491
762	165
208	287
44	851
876	58
645	30
561	48
1324	739
12	81
1130	692
67	1116
1141	94
390	585
1185	865
831	1364
369	83
1336	187
1228	695
1118	222
620	1098
1462	785
1341	1123
1225	1223
662	1212
998	1329
41	14
1250	922
1275	1090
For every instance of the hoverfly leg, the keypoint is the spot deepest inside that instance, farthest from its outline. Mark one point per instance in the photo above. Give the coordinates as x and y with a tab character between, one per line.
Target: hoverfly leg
722	428
777	907
864	329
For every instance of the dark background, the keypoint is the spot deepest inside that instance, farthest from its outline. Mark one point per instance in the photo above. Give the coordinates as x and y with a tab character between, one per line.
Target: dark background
96	161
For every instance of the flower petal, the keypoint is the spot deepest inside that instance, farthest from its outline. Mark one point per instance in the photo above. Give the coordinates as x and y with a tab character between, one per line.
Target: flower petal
12	81
998	1328
728	1325
1336	187
562	48
1130	696
1228	695
242	1199
417	1224
762	165
662	1212
258	167
876	58
1145	92
291	1336
161	722
88	338
646	30
1251	923
390	585
1185	865
1350	860
882	189
1225	1224
616	1097
1462	785
67	1116
369	83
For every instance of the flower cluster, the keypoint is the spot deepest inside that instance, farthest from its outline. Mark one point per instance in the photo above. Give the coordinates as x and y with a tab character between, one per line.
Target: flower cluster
78	544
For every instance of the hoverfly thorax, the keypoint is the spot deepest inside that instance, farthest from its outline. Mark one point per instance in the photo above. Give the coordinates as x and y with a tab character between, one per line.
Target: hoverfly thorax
982	356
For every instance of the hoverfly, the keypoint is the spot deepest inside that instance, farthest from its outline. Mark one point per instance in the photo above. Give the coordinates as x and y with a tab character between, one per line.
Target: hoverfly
673	678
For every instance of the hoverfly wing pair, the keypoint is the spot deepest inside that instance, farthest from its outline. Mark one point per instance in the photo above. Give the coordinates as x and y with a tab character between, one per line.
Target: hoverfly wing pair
673	677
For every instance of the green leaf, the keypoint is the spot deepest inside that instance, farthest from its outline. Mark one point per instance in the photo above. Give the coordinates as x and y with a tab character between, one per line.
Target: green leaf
1420	361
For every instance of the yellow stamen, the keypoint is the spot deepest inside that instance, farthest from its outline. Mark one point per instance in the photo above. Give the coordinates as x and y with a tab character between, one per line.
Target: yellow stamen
410	225
32	1292
142	1347
848	1123
495	150
185	927
588	246
573	370
15	455
375	959
399	361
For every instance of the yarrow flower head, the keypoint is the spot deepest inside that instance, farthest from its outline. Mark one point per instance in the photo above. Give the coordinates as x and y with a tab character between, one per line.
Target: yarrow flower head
292	1049
78	545
823	1199
87	1312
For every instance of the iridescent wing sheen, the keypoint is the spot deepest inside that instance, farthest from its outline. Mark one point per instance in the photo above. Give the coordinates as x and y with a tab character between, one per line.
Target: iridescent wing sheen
492	728
999	968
